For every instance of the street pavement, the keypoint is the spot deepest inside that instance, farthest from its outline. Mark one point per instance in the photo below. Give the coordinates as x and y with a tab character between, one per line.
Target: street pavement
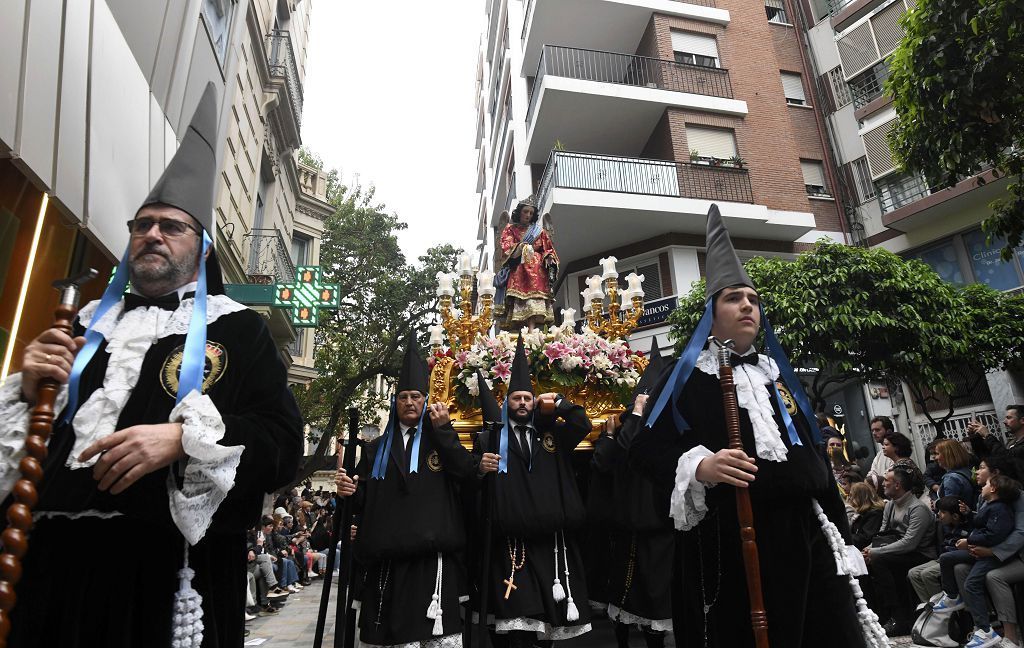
295	626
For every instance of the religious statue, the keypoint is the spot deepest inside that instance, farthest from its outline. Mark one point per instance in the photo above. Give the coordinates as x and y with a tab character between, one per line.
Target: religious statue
528	268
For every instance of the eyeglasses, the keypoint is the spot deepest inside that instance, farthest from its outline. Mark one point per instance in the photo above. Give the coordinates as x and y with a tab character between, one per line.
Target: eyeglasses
168	227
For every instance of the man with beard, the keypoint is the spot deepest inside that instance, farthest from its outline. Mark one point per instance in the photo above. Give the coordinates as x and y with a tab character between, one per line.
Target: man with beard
156	468
536	569
412	528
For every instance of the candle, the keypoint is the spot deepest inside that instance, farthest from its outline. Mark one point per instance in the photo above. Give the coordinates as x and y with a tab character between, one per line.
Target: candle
465	265
634	289
444	285
608	268
436	335
594	284
485	283
586	300
568	317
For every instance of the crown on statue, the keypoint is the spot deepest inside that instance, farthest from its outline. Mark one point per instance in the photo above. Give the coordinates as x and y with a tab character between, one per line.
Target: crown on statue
529	201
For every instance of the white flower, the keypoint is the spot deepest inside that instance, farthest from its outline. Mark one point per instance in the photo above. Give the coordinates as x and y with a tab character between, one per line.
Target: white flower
602	362
472	386
570	362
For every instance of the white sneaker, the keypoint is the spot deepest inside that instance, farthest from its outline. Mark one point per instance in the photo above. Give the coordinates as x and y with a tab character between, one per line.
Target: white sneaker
947	604
293	589
249	617
983	639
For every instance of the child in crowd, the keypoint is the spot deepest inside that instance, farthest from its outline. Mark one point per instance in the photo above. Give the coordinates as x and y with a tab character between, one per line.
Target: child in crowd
990	525
954	523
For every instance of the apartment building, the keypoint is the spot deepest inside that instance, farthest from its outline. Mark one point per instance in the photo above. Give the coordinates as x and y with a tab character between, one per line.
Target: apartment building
94	96
627	118
848	43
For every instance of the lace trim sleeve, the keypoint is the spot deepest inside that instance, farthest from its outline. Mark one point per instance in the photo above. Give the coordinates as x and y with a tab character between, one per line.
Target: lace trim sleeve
211	468
15	416
687	506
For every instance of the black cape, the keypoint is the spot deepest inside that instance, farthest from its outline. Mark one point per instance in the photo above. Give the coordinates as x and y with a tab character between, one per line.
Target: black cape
536	499
807	603
406	520
127	601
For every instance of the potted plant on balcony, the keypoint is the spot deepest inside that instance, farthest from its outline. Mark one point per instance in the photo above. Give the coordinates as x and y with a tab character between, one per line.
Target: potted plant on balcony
737	161
715	161
695	157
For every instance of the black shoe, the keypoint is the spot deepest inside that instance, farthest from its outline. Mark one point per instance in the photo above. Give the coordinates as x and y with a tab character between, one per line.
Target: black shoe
267	611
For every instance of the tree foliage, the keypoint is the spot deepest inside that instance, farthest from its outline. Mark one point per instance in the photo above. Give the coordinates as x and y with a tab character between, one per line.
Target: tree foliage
382	297
957	83
855	313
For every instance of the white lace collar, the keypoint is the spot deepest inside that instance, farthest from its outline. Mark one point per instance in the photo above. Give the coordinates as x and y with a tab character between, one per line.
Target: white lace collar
753	394
216	307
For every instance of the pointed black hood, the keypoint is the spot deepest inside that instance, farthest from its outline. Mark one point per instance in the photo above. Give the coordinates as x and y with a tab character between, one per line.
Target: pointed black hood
414	375
722	268
488	404
653	371
520	379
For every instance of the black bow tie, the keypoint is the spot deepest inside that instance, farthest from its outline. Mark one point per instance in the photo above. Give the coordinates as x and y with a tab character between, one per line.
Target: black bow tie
736	360
167	302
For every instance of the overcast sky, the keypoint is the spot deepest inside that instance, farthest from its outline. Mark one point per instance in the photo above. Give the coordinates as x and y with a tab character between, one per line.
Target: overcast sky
389	96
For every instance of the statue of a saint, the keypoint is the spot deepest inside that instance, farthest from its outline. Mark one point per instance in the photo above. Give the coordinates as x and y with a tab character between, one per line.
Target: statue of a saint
527	256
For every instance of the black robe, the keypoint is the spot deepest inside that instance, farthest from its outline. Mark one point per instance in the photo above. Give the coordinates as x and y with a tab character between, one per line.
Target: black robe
639	584
406	520
535	500
807	603
600	533
111	582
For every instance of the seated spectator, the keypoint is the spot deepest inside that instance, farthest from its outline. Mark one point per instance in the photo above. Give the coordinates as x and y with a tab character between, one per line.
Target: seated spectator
841	466
880	426
956	461
898	448
906	539
280	553
992	524
933	471
865	513
952	523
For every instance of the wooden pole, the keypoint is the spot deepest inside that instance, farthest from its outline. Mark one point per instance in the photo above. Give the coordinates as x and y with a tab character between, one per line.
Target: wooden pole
744	511
345	569
19	514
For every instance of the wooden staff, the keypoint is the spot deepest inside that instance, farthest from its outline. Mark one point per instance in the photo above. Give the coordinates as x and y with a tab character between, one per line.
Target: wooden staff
19	514
487	516
758	617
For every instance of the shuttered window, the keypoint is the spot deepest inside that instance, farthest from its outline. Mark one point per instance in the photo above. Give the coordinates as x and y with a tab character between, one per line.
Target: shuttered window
876	145
695	49
793	86
711	142
814	177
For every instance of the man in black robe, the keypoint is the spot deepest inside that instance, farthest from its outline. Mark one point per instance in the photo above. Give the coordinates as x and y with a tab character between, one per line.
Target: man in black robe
139	491
799	519
639	587
536	569
411	527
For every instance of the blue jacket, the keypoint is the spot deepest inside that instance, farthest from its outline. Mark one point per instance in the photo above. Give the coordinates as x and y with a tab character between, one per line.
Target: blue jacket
958	483
992	524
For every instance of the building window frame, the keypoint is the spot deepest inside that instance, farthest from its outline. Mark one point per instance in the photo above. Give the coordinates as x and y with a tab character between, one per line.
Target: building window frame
218	18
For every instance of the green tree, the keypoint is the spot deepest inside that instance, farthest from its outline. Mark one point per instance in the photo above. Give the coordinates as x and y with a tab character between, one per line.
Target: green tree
850	313
957	84
382	297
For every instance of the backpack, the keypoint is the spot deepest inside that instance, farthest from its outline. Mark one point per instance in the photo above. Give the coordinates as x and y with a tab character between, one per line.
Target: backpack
949	629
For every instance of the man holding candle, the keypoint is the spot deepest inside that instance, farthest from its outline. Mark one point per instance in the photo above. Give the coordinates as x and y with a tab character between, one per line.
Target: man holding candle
527	250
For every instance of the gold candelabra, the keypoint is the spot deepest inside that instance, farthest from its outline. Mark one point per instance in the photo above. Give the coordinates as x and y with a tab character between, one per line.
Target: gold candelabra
463	328
619	321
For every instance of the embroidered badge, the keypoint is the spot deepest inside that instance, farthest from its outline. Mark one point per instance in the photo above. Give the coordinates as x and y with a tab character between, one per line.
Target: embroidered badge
548	442
216	364
787	398
434	461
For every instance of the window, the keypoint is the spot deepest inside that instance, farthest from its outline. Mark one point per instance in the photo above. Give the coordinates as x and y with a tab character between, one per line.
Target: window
986	263
694	49
793	87
862	180
300	250
717	143
217	16
943	260
776	11
651	284
814	177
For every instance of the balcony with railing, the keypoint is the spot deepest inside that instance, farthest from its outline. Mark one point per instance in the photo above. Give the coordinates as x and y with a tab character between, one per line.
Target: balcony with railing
591	197
609	25
269	260
869	84
284	68
592	98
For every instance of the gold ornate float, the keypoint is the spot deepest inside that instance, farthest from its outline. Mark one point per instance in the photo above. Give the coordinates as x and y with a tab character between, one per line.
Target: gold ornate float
595	368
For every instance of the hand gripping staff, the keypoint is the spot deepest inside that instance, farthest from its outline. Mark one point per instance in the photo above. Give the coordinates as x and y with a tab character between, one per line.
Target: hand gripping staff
745	514
19	514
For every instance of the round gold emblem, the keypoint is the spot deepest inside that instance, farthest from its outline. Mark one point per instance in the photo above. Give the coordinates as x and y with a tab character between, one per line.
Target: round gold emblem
434	461
548	441
216	364
787	398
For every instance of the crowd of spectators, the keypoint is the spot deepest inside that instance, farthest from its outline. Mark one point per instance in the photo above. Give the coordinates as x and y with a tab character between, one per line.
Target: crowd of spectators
288	549
943	539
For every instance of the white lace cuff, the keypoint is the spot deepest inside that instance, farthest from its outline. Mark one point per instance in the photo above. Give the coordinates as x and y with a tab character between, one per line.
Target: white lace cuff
14	413
687	506
210	472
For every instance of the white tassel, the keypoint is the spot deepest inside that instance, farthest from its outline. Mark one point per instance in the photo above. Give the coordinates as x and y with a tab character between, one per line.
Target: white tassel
187	620
572	613
557	591
434	610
